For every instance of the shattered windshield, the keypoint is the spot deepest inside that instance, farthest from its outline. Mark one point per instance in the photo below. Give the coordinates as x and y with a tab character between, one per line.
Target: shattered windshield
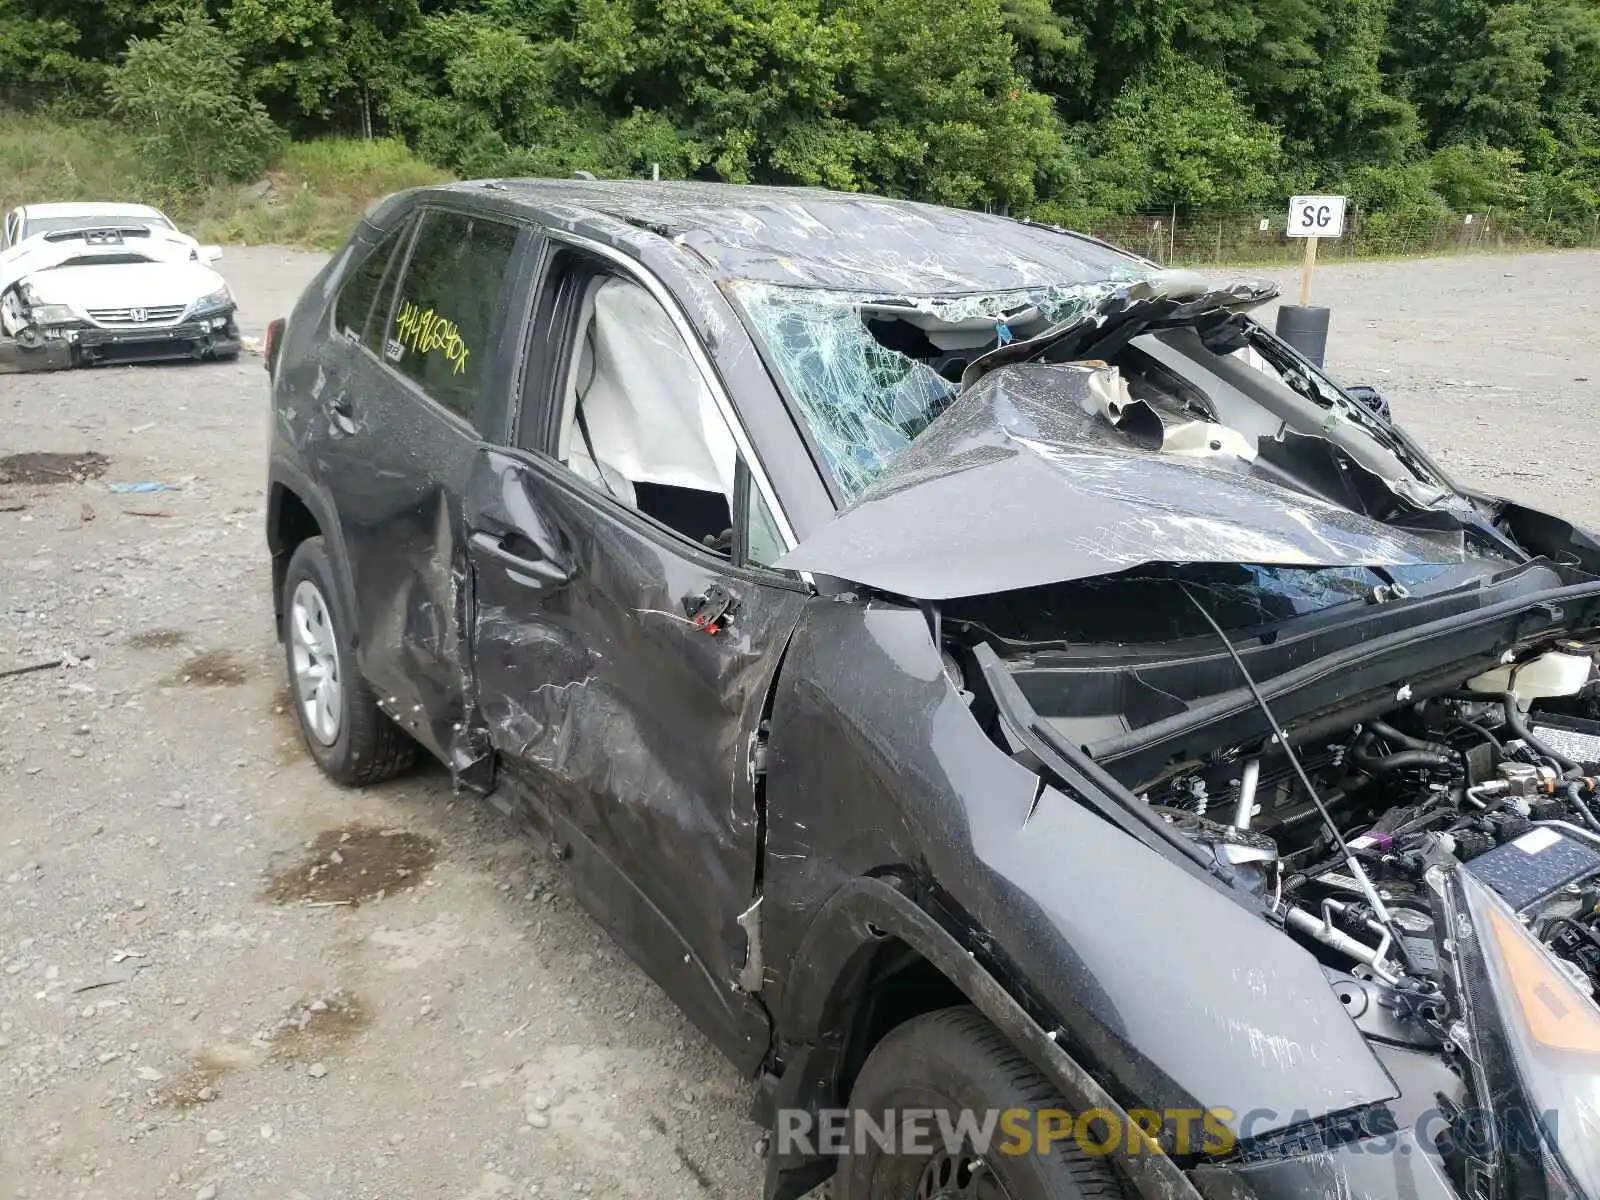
869	373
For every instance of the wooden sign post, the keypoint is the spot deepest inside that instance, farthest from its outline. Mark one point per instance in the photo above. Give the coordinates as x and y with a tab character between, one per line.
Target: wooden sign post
1303	326
1314	218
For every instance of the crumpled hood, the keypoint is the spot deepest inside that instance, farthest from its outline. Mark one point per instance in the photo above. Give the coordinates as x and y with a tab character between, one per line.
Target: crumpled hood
34	258
125	285
1023	481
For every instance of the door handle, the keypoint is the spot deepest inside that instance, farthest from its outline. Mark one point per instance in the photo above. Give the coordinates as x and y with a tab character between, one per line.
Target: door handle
527	561
342	413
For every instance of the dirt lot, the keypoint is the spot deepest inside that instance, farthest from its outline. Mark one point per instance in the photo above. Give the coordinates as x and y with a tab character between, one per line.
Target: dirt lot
221	976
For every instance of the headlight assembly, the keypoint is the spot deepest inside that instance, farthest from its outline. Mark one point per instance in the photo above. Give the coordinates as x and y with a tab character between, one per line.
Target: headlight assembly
52	314
221	298
1552	1038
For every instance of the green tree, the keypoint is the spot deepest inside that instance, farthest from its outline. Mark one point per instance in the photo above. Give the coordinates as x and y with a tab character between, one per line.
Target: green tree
751	83
182	95
950	116
475	89
37	57
320	63
1474	68
1179	135
1051	50
1409	105
102	27
1333	106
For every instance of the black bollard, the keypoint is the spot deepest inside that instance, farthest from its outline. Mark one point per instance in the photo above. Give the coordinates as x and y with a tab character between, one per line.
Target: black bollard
1305	327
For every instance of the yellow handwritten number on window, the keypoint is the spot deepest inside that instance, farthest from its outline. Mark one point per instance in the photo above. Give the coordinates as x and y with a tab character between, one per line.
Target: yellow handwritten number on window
426	331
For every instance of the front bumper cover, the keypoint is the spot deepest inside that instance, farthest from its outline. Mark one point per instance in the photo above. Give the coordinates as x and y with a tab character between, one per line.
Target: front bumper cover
56	347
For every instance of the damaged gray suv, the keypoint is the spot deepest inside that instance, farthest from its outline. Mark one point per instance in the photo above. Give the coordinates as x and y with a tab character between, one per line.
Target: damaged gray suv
1053	737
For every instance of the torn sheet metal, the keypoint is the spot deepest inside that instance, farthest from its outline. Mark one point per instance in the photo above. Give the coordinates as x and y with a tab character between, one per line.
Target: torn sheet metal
1174	432
629	721
752	974
863	401
1021	483
1162	298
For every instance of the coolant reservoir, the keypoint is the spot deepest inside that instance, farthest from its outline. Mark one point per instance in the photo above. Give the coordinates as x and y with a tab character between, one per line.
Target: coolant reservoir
1554	673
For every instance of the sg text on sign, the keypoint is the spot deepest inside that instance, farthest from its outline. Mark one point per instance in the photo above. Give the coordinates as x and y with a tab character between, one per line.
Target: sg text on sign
1316	216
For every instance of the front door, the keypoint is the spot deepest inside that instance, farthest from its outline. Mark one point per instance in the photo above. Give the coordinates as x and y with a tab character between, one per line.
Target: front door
625	643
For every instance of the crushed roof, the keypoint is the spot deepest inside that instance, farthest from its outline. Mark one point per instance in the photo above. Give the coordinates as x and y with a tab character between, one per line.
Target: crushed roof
811	237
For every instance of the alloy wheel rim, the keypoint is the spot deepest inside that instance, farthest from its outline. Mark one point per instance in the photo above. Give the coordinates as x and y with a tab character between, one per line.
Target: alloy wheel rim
963	1176
319	690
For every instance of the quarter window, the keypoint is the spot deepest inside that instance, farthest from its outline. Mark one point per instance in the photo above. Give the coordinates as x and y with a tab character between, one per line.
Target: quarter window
353	311
763	543
443	317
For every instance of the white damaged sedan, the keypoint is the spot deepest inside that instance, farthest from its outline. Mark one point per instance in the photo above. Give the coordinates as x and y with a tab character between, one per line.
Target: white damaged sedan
90	283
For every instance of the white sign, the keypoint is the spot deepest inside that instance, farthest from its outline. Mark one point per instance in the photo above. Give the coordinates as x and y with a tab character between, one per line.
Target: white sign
1316	216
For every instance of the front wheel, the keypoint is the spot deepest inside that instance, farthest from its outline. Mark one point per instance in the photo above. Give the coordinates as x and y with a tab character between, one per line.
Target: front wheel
953	1062
348	735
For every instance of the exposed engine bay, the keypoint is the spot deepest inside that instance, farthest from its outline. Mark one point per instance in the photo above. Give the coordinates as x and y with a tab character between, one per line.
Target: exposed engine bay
1503	775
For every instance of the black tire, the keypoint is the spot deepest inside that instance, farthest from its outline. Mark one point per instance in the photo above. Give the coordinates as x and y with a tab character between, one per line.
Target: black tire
954	1060
369	747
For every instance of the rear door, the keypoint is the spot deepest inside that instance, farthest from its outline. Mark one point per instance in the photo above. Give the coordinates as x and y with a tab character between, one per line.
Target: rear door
417	360
625	645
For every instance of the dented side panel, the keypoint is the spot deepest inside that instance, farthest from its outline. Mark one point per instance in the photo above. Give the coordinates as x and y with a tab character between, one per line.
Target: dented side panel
629	727
391	467
1176	994
394	467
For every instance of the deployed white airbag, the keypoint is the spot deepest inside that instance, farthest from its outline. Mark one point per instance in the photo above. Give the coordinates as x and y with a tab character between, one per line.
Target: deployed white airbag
650	414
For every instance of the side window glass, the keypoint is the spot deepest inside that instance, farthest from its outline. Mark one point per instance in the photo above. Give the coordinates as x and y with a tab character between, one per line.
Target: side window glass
353	310
447	304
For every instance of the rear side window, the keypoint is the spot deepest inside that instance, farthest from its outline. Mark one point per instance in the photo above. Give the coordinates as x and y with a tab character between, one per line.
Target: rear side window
444	315
353	314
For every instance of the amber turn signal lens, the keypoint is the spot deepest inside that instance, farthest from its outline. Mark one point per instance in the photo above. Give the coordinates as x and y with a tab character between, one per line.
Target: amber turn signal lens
1556	1012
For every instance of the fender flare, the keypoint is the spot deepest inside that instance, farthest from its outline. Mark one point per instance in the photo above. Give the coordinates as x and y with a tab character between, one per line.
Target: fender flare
285	476
863	912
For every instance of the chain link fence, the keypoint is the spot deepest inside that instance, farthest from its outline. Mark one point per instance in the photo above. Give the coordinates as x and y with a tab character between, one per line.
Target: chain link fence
1177	238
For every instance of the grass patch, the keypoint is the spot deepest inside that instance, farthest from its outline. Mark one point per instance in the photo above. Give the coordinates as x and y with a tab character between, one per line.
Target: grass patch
47	160
311	197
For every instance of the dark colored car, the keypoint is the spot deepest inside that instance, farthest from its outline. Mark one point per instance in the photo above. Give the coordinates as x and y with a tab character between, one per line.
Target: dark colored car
1049	733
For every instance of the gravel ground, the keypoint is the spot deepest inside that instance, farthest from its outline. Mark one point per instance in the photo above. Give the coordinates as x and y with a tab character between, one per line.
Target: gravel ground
221	976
